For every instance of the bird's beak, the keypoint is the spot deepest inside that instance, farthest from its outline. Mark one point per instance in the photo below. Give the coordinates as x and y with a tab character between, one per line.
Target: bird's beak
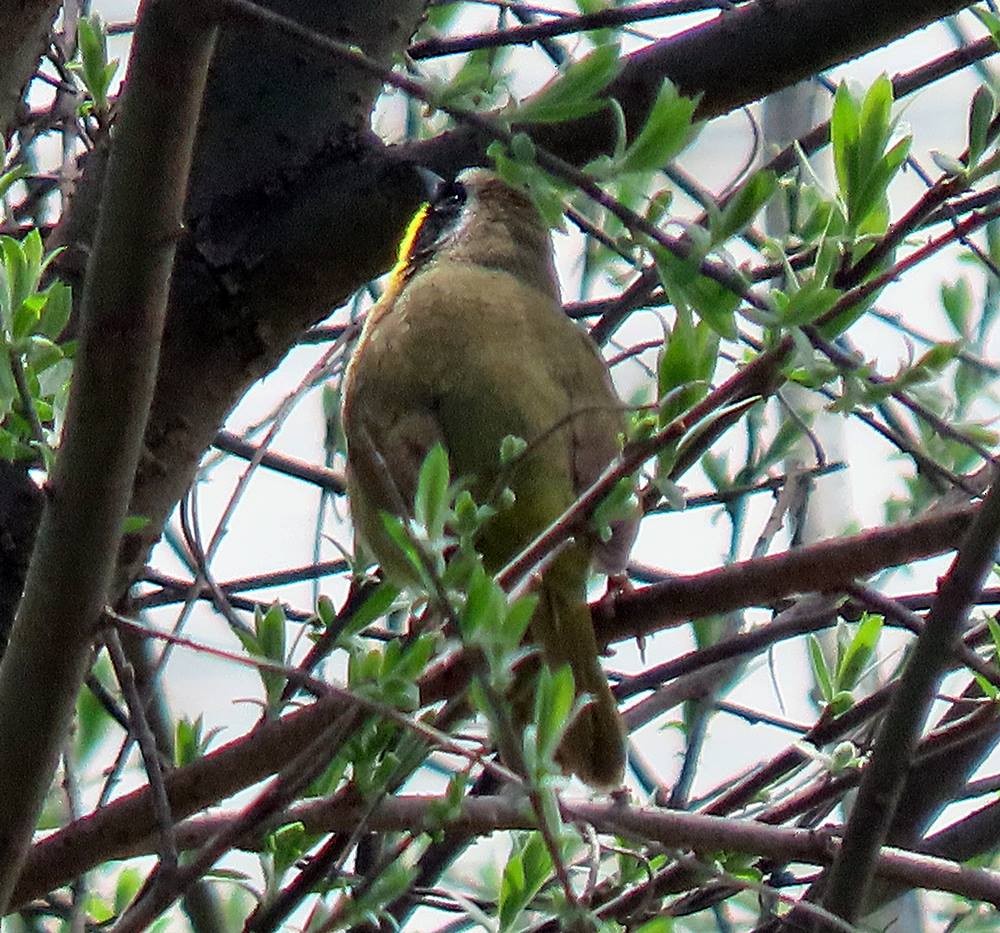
431	182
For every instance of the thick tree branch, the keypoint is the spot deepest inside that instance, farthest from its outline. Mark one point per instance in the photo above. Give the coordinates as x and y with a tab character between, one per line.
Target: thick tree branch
122	317
671	828
731	61
270	252
770	46
22	40
827	566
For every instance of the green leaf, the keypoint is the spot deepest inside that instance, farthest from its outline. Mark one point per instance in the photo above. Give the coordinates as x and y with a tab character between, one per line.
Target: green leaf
26	316
716	467
511	447
994	629
8	387
440	16
16	288
804	305
875	122
133	524
859	651
956	299
871	196
528	868
8	179
574	93
378	604
667	130
988	689
517	618
468	517
859	133
286	845
947	163
741	210
94	68
270	627
690	354
843	756
821	673
841	702
389	885
32	249
990	21
188	745
398	533
844	133
55	315
554	697
413	660
518	168
621	504
685	285
249	642
483	605
657	925
126	887
981	112
477	82
430	503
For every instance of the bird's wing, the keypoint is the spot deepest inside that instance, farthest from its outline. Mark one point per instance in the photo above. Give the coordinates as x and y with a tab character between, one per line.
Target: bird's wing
595	439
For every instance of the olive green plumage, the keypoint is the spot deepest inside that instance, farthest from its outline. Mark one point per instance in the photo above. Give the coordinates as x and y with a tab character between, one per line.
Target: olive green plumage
470	345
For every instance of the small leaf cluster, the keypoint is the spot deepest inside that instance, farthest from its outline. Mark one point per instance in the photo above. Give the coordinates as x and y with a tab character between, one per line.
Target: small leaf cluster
684	372
836	683
95	70
34	368
267	640
860	132
366	907
576	92
528	869
526	875
579	91
438	543
191	741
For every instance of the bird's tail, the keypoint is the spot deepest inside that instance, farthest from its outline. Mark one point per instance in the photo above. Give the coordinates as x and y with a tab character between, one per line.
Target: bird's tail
594	745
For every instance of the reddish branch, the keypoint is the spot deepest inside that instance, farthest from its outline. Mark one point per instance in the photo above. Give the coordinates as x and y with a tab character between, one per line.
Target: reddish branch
480	816
828	566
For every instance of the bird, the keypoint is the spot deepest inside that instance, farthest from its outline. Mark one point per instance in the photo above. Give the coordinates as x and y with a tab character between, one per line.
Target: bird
467	346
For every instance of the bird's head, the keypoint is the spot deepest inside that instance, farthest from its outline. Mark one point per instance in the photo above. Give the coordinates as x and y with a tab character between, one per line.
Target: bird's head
478	218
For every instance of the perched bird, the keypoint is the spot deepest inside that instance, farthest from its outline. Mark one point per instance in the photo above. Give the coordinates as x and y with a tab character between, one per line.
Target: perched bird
469	345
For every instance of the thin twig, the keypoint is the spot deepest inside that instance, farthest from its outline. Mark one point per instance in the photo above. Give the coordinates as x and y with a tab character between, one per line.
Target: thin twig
140	730
524	35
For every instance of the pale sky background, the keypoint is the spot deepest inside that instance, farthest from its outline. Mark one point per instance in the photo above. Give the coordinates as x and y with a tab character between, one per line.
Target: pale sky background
274	529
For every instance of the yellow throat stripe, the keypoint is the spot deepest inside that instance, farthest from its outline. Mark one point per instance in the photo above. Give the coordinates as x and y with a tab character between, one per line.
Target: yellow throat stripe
406	246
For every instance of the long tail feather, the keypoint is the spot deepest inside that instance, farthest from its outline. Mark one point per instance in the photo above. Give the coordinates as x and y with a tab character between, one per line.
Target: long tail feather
594	745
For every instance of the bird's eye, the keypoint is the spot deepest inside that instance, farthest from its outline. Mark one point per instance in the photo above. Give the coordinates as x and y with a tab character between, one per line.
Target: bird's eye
450	198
